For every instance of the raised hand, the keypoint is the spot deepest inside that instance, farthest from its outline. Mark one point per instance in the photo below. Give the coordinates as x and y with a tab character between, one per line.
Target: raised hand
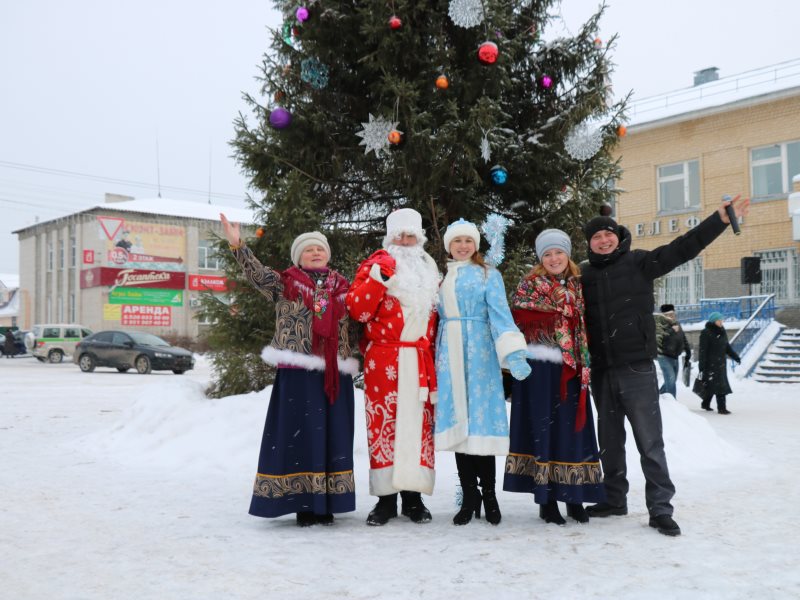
741	207
232	230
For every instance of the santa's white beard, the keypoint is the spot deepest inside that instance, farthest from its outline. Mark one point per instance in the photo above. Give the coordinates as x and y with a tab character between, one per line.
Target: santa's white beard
416	278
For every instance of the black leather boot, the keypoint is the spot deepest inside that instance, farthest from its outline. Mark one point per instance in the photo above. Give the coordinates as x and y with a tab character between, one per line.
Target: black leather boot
413	508
550	514
722	406
470	496
486	473
306	519
577	512
385	509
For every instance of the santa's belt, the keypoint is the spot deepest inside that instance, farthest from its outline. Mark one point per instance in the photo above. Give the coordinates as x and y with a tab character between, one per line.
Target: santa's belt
427	370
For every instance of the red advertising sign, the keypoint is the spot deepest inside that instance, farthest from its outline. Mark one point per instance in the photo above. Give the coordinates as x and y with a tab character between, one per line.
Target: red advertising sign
88	257
211	283
146	316
99	276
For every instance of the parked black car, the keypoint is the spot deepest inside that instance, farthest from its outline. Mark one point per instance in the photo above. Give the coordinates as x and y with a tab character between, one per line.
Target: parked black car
124	350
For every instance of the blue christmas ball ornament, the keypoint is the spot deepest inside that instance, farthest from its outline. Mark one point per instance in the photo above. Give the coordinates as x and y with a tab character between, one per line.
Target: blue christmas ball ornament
499	175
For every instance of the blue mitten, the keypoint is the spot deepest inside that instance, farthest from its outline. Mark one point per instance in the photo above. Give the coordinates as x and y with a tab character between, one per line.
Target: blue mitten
519	367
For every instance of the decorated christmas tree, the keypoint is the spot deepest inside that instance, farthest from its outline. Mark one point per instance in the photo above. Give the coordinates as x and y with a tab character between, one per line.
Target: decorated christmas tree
456	108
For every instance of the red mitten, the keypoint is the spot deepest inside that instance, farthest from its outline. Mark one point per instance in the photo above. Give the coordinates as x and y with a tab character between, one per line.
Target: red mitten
386	262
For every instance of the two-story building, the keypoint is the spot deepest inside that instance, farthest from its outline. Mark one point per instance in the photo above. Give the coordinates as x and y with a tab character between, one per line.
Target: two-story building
685	150
129	264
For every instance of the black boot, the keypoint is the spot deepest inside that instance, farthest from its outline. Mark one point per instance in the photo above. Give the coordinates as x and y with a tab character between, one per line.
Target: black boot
721	407
604	509
577	512
306	519
385	509
470	496
550	514
487	473
326	519
413	508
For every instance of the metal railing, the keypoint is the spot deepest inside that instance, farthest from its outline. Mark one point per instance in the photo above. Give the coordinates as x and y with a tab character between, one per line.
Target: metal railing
742	307
762	316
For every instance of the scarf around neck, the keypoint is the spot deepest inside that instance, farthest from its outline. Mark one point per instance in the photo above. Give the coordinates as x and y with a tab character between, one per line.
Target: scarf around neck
326	304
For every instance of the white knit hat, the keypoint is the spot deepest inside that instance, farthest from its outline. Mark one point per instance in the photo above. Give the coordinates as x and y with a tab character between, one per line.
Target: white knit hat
552	238
304	240
404	220
459	228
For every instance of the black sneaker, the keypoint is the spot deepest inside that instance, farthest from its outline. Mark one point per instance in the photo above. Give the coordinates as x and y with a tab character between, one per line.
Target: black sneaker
385	509
665	524
413	508
306	519
604	509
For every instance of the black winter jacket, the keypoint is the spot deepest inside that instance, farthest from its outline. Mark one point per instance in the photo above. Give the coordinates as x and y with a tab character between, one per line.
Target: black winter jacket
618	291
713	348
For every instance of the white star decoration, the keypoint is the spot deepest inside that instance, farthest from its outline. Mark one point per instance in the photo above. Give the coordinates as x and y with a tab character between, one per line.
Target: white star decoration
466	13
375	134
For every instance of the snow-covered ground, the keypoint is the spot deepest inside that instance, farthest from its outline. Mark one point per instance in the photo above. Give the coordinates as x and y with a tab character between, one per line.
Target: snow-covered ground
123	486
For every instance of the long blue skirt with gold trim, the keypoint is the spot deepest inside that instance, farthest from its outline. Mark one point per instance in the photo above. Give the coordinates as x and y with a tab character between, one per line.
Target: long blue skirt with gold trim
547	457
306	459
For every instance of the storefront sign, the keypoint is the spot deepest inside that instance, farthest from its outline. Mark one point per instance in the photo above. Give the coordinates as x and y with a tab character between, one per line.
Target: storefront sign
142	245
146	316
112	312
88	257
208	283
100	276
151	297
670	226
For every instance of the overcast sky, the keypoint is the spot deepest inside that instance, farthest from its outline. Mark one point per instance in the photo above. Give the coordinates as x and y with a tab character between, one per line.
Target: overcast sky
90	88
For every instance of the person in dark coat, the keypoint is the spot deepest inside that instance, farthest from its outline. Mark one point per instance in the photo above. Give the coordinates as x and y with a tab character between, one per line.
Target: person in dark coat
10	346
671	342
714	347
618	291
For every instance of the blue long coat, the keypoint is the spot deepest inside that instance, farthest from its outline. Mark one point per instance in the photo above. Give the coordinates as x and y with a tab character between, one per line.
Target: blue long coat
476	334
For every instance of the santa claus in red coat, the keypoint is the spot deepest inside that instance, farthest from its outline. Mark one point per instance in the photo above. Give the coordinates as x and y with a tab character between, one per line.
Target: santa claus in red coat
394	296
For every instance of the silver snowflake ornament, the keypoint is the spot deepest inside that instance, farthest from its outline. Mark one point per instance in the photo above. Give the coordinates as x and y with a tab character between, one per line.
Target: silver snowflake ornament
486	149
466	13
584	140
375	134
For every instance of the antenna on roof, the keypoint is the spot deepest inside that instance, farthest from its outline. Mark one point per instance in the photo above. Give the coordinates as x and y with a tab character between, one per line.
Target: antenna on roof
158	167
209	172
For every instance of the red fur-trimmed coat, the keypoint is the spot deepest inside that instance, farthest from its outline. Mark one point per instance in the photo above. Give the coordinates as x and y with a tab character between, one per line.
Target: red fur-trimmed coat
399	380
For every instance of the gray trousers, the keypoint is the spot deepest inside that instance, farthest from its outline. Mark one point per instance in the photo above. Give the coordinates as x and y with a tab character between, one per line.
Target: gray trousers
632	391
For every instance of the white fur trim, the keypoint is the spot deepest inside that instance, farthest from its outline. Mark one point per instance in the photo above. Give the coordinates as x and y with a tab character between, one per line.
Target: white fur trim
277	356
508	342
455	355
545	353
481	445
375	273
381	481
408	474
459	228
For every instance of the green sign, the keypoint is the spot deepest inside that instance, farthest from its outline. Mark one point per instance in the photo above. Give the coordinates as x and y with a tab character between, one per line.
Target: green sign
150	297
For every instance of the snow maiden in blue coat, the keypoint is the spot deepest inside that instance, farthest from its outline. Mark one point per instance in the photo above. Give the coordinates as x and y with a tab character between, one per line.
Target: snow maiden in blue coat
476	336
553	451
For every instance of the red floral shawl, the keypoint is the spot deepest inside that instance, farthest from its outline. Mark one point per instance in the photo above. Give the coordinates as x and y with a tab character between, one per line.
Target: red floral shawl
326	303
549	310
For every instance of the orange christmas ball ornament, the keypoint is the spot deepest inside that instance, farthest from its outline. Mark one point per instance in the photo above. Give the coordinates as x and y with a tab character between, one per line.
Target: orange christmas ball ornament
622	131
260	232
442	82
395	137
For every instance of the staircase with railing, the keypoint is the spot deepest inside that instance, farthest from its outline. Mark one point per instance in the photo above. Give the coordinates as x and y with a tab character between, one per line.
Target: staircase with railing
781	363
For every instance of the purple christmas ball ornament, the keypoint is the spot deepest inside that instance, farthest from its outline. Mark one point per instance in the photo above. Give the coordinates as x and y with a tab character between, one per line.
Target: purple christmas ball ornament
301	14
280	118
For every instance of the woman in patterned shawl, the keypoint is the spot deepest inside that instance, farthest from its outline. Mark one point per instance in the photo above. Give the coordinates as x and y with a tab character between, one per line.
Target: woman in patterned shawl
553	452
476	336
306	461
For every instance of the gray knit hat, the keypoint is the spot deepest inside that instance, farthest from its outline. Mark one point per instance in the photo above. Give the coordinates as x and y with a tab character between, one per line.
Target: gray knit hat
552	238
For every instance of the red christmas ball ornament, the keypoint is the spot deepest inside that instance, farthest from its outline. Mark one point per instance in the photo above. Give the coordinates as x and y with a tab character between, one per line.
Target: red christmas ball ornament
442	82
395	137
260	232
487	53
622	131
598	43
395	22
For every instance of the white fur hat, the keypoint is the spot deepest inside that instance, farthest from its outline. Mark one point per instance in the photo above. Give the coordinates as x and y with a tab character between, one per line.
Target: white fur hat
304	240
459	228
404	220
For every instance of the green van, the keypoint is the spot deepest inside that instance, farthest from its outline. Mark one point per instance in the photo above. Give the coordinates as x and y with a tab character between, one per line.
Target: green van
51	342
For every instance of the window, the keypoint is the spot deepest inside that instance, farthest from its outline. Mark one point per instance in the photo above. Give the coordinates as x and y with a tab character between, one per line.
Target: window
50	257
61	254
683	285
73	251
779	275
72	307
679	186
772	168
207	257
72	332
119	339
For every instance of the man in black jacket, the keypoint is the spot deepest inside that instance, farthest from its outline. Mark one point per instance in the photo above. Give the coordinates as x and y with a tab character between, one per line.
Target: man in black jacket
671	342
618	291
